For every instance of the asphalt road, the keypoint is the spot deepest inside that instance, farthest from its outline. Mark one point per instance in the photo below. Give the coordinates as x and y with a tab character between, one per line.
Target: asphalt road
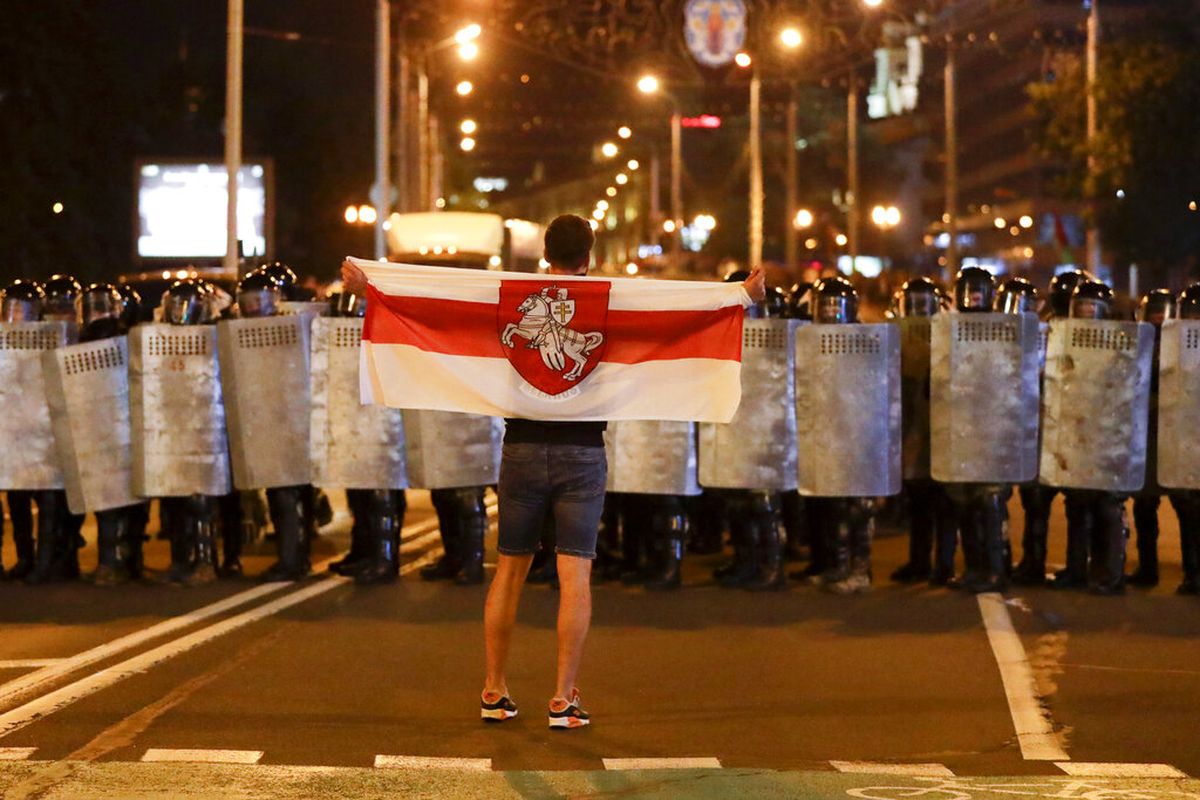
320	687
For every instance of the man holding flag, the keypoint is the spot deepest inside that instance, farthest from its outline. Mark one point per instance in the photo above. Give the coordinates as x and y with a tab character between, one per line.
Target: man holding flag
557	357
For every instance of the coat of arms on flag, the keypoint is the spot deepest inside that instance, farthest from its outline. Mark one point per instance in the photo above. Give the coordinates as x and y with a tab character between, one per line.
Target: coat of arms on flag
553	335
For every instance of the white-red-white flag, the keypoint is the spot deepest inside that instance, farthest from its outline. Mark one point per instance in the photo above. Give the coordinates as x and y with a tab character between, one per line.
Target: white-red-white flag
551	347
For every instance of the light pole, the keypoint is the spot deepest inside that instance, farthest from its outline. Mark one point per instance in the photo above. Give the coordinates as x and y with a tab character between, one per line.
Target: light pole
649	85
428	152
233	131
756	179
1093	46
382	189
852	214
791	238
951	218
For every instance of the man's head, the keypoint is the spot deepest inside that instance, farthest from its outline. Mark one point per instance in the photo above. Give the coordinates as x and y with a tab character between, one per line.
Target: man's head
569	241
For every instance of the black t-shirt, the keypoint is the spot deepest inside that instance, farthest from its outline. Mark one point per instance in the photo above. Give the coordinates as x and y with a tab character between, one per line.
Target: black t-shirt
579	434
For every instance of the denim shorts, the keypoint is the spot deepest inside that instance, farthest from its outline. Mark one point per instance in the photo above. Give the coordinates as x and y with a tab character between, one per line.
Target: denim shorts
563	482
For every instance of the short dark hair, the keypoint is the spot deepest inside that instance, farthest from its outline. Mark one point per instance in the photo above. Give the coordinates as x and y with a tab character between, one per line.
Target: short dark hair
569	240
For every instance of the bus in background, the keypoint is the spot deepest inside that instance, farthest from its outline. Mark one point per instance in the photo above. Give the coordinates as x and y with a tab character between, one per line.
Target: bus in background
465	239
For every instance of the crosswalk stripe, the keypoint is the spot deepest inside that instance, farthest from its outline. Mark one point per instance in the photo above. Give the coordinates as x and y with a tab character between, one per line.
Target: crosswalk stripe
16	753
203	756
432	762
1098	769
661	763
886	768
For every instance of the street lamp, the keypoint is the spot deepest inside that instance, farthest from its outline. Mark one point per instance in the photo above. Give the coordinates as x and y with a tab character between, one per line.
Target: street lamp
791	38
467	34
624	132
803	219
608	149
633	165
885	216
743	60
647	84
464	88
467	144
468	51
468	126
621	179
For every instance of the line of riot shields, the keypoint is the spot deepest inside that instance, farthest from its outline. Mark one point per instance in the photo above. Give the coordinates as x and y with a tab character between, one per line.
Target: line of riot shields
947	406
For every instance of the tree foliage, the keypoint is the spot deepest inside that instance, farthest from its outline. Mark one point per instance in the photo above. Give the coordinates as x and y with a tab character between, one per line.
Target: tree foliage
1147	151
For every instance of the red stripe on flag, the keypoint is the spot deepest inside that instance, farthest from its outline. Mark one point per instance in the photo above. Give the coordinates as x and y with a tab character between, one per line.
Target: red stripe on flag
456	327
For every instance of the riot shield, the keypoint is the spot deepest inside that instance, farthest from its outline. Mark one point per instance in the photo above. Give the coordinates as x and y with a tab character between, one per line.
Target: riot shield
308	309
354	446
848	410
652	457
757	448
446	449
1179	405
30	460
87	387
914	395
176	411
984	398
1094	416
265	382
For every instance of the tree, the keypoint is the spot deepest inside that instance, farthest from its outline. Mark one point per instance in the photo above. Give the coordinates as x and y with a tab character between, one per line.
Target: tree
1147	152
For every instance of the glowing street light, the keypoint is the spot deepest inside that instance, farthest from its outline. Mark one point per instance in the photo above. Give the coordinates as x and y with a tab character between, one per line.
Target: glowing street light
885	216
791	38
621	179
1026	221
669	226
631	268
467	144
611	191
633	165
468	51
464	88
872	3
742	59
647	84
57	208
351	214
598	214
624	132
367	215
608	149
841	240
602	205
595	225
467	126
803	219
468	34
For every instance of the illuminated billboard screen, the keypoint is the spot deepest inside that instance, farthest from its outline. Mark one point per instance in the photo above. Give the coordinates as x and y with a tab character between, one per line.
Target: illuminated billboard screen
181	209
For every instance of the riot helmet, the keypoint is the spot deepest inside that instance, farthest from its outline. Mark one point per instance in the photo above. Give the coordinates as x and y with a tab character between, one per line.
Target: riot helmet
1016	296
1091	300
836	301
283	275
1061	287
800	301
62	296
776	303
345	304
1156	307
974	290
22	302
918	298
185	303
1189	302
131	305
258	295
102	309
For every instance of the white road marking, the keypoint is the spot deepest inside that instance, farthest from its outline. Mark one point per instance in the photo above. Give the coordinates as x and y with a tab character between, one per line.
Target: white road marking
433	762
59	699
16	753
1093	769
1035	734
886	768
29	663
204	756
661	763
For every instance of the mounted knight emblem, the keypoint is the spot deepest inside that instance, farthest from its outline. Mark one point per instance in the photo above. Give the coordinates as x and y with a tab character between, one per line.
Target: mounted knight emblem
563	329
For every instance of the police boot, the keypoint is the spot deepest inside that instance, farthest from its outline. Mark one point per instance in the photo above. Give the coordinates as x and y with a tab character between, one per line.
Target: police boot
20	510
56	555
709	529
819	537
920	535
449	562
135	532
672	532
791	510
1108	557
993	574
379	567
771	545
1145	522
359	536
471	531
836	578
290	532
112	546
1079	533
1031	571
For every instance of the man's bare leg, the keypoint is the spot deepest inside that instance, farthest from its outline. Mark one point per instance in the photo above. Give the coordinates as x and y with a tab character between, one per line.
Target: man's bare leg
500	616
574	617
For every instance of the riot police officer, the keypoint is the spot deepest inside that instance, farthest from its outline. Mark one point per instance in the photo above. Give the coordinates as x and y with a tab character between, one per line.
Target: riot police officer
1155	308
1187	501
931	515
259	295
119	531
846	524
1108	528
981	507
194	517
1037	498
